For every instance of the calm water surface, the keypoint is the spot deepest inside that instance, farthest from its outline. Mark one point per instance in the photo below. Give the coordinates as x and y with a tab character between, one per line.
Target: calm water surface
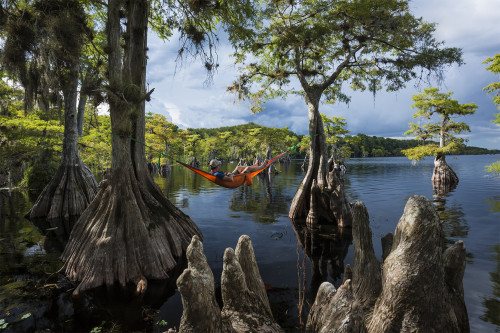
292	262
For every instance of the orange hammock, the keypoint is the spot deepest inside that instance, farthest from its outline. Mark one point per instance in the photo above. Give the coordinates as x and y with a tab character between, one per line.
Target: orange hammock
238	179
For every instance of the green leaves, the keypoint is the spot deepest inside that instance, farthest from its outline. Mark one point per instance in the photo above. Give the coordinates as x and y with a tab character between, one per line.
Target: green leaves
369	44
494	87
436	111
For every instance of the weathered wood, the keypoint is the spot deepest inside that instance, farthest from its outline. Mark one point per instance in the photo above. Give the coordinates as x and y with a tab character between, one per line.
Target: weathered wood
130	233
73	186
387	241
246	258
245	304
366	273
243	308
414	297
339	204
312	215
196	285
421	284
335	311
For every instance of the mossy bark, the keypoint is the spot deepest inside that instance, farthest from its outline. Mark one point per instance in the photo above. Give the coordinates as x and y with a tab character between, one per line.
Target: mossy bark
131	232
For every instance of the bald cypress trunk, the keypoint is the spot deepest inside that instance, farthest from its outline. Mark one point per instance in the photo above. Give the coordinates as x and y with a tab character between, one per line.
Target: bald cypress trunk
73	187
443	177
130	232
320	197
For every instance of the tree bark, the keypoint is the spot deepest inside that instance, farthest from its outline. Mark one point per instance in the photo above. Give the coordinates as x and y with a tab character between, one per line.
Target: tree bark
421	284
367	279
332	206
73	187
130	232
245	303
421	288
443	178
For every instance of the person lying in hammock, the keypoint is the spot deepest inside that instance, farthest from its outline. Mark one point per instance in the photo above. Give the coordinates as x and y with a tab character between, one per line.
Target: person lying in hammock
215	165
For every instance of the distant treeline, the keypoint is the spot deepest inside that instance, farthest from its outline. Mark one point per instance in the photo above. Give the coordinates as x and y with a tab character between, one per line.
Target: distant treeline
373	146
360	145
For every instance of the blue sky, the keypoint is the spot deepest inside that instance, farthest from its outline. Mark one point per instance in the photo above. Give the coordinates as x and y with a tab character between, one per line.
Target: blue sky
182	95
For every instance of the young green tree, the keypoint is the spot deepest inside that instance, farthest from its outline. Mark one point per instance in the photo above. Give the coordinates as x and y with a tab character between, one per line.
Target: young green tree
316	49
494	88
438	111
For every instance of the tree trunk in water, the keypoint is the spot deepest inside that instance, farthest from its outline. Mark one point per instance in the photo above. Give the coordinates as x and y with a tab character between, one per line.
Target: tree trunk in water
130	232
443	177
327	192
73	187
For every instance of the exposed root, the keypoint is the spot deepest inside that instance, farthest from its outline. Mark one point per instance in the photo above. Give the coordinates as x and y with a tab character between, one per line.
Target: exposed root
68	194
128	234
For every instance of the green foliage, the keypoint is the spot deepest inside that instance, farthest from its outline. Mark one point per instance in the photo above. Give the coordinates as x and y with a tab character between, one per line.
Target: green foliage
495	167
25	140
95	144
437	110
40	173
494	88
198	21
367	44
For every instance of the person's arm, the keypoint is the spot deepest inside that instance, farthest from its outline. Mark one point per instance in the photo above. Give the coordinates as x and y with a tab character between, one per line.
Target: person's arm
228	177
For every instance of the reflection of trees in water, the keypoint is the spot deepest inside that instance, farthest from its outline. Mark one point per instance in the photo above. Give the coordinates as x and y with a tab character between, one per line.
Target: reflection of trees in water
452	218
494	204
265	206
443	190
326	248
492	304
29	258
56	232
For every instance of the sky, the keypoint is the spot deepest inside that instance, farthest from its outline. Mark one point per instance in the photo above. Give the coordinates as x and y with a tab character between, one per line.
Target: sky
182	95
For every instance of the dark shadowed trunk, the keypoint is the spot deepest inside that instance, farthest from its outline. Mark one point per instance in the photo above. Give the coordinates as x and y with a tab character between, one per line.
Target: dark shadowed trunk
73	187
130	232
320	186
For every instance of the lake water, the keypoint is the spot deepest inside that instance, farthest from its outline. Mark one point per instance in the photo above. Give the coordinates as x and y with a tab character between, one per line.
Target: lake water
292	262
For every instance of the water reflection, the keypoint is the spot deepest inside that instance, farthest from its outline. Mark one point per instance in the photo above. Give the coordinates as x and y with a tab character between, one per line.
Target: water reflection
442	189
264	206
492	304
494	204
56	232
452	217
326	248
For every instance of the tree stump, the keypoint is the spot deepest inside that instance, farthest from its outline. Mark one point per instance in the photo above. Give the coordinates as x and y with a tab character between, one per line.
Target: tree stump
196	285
